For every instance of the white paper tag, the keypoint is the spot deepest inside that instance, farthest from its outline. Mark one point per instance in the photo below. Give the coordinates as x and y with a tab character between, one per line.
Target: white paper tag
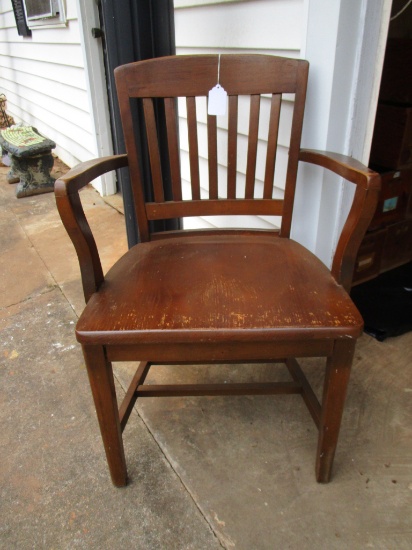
217	103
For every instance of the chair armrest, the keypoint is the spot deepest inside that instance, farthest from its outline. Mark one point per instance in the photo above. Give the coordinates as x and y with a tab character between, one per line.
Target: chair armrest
85	172
68	202
364	203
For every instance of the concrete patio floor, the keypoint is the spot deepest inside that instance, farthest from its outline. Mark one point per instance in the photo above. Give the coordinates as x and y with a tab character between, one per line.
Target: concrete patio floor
204	472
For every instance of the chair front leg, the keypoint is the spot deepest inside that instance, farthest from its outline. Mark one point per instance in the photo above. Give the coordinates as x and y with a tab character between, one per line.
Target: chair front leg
337	375
102	385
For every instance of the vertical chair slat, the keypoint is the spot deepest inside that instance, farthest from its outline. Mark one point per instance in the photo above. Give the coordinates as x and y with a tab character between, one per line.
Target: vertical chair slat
272	145
294	147
193	147
154	154
252	146
232	147
173	145
212	156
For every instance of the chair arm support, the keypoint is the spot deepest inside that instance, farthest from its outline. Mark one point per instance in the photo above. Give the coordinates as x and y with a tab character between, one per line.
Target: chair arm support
68	202
85	172
364	203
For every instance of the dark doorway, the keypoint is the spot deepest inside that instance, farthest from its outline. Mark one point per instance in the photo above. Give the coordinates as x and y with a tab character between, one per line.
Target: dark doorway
133	30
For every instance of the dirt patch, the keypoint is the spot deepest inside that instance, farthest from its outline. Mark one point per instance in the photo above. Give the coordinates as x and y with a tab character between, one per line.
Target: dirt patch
59	168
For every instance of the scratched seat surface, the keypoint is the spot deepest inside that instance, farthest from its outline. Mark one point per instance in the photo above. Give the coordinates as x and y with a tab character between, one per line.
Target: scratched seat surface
218	294
221	284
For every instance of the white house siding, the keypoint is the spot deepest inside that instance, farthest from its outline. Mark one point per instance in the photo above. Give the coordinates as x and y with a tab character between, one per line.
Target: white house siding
251	26
44	79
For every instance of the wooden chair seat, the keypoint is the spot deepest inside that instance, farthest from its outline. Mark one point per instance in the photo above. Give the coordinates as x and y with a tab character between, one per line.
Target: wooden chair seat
219	295
229	287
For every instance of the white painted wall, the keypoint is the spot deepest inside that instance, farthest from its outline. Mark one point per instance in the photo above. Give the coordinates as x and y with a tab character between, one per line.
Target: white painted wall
342	39
251	26
45	81
345	47
53	79
92	50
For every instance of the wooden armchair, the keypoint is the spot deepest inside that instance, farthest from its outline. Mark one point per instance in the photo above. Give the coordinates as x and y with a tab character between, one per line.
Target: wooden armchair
218	295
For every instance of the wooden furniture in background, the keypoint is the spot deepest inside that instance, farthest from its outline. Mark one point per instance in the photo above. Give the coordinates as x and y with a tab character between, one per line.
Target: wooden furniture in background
392	137
388	242
216	296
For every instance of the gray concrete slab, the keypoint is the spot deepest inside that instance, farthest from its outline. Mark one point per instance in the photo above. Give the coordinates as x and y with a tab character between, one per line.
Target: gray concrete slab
249	461
204	472
55	488
22	272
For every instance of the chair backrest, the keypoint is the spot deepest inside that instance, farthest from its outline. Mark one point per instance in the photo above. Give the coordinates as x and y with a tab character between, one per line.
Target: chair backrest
164	85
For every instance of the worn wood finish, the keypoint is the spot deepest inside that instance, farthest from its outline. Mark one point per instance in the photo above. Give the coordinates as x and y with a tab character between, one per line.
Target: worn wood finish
232	147
275	77
173	144
225	296
193	147
217	296
272	145
252	146
297	123
130	398
307	393
179	390
239	75
203	352
101	380
172	209
363	208
212	156
154	153
72	215
334	393
223	231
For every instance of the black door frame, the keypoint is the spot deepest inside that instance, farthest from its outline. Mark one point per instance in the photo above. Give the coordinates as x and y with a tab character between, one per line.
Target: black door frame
134	30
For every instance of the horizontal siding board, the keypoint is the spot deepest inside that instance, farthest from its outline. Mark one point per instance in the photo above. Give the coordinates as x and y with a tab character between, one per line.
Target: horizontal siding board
279	183
44	80
70	152
7	20
189	3
75	151
48	88
30	99
185	171
196	223
258	222
36	115
195	50
285	122
235	222
282	159
78	150
59	54
251	26
270	25
282	155
243	123
5	6
67	35
63	74
70	10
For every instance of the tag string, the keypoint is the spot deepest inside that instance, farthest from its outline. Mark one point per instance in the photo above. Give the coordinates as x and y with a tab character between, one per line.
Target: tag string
218	70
